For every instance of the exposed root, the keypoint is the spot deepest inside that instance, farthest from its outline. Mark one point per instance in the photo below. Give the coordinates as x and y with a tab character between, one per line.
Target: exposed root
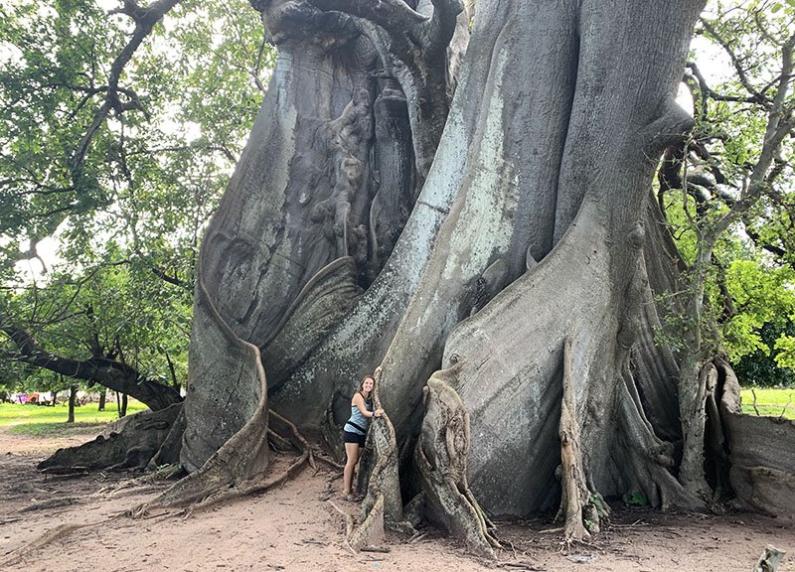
50	503
347	519
441	456
159	475
130	448
303	444
279	443
369	532
50	536
323	458
649	458
769	560
253	485
383	484
580	507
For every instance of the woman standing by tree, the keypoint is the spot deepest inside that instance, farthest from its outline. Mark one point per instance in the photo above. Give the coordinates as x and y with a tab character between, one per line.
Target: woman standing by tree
354	432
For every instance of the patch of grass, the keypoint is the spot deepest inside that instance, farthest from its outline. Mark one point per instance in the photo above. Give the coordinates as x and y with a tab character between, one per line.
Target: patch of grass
770	401
48	429
45	421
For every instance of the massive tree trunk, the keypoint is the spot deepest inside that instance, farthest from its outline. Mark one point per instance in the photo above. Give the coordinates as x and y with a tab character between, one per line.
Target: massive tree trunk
318	200
530	231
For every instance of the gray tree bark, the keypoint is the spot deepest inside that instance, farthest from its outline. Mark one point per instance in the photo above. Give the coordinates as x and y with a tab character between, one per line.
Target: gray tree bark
373	220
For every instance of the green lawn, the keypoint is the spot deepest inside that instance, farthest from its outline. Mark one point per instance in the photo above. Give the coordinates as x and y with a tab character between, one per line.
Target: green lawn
38	420
769	401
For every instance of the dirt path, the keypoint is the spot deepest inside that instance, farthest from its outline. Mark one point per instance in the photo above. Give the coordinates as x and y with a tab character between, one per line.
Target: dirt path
292	529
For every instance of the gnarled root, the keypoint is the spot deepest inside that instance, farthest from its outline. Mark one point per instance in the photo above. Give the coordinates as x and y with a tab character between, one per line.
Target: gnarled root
441	456
381	454
769	560
131	448
151	479
581	508
210	485
367	533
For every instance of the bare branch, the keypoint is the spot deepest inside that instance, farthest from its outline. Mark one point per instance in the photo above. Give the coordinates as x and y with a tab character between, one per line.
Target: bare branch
707	92
738	67
145	19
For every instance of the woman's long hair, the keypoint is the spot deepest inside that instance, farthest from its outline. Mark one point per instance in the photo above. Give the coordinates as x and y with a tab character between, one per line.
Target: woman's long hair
361	387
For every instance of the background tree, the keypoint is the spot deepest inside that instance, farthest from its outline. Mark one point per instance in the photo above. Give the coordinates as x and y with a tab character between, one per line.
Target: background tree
119	131
736	161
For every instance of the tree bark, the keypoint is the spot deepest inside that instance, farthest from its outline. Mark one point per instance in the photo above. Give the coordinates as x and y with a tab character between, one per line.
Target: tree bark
72	397
141	437
532	238
102	397
319	198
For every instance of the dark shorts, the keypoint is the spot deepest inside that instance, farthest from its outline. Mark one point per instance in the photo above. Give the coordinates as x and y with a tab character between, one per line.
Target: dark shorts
350	437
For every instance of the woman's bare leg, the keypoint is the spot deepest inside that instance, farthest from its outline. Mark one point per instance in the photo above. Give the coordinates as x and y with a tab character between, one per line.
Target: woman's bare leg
352	451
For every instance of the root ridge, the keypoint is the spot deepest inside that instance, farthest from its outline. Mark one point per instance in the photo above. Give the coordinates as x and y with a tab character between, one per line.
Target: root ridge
441	455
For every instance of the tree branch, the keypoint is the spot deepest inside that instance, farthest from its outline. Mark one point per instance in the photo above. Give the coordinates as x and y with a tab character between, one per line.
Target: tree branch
708	92
108	373
394	16
145	19
741	72
780	124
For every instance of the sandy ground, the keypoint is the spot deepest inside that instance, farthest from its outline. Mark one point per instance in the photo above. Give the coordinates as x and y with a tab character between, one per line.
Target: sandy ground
291	528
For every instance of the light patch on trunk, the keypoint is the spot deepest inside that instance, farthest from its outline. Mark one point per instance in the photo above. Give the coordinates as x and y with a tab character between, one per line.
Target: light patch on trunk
489	208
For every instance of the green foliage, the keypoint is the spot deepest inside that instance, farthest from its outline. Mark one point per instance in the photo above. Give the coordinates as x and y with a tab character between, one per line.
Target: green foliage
785	346
769	402
742	259
119	232
636	498
761	296
765	367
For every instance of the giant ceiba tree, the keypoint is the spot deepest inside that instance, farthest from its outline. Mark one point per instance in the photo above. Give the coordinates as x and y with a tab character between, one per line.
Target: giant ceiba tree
472	214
